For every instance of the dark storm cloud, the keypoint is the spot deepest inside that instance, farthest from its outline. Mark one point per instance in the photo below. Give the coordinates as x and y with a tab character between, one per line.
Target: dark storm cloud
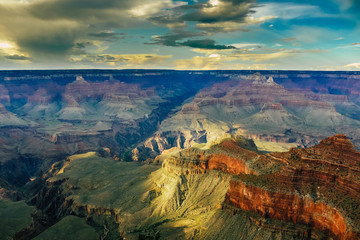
50	43
234	11
210	17
225	10
210	12
83	44
57	29
205	44
17	57
171	39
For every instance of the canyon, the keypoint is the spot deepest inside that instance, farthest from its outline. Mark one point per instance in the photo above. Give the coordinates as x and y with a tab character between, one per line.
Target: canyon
160	154
250	194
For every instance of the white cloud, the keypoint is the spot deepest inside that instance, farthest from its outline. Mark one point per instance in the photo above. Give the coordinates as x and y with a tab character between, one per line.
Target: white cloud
147	9
353	65
245	45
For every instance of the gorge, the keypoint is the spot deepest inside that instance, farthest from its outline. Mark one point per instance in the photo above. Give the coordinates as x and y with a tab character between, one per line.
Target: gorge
160	154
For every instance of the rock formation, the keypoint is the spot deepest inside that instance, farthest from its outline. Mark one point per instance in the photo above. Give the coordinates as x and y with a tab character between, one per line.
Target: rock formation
45	116
310	193
317	186
257	106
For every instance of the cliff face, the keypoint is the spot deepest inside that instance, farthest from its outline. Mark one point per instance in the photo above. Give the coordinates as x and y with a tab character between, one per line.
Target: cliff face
287	207
317	187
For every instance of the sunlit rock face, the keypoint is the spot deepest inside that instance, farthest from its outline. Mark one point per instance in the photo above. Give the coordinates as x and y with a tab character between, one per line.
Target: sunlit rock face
317	186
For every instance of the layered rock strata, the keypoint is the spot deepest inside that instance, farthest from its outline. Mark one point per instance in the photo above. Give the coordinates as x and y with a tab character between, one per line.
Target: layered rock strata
318	186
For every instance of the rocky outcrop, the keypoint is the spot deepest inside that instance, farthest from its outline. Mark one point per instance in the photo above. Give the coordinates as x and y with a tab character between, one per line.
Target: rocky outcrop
8	118
307	189
318	186
227	157
287	207
40	97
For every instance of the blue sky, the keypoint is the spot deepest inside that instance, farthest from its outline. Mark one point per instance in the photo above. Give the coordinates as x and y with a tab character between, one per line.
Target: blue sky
203	34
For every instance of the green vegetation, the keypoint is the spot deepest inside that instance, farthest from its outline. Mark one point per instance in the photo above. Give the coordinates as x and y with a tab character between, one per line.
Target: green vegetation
104	182
248	144
14	216
69	228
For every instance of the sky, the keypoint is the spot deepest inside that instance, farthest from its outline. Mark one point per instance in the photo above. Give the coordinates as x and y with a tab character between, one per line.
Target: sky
179	34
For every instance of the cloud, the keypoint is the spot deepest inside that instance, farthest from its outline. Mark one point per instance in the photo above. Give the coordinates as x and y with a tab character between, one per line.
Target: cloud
345	5
288	39
54	30
289	10
17	57
232	26
173	40
273	54
212	16
135	60
214	62
107	35
171	20
351	45
220	11
149	8
354	44
198	63
205	44
353	65
81	45
250	56
348	67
